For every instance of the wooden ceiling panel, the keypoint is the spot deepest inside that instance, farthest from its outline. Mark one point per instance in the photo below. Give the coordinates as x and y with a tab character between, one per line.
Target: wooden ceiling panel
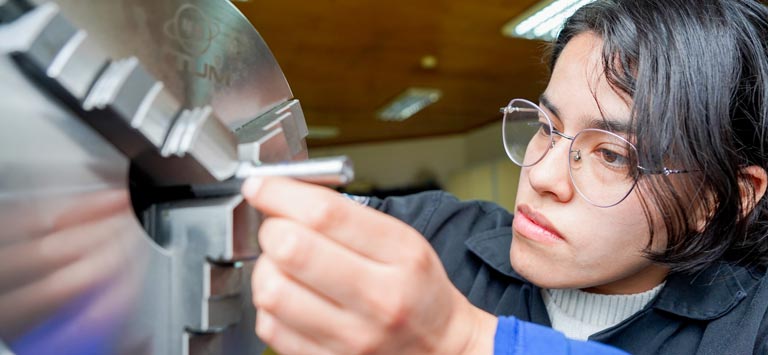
345	60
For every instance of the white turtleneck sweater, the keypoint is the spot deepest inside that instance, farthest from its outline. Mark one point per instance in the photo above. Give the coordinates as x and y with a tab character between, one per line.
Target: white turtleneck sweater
580	314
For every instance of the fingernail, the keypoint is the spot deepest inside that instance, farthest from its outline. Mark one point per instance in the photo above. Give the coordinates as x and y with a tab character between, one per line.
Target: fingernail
251	186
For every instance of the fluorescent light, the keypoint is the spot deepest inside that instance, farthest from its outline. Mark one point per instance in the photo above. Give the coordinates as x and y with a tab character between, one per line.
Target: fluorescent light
322	132
408	103
543	21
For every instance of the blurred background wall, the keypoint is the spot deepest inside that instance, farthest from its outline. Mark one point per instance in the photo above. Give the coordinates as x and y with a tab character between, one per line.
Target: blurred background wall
409	90
470	166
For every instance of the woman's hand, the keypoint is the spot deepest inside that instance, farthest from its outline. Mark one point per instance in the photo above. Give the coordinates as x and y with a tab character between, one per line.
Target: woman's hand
336	277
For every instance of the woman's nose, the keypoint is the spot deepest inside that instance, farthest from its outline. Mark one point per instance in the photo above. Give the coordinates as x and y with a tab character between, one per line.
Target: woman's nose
550	176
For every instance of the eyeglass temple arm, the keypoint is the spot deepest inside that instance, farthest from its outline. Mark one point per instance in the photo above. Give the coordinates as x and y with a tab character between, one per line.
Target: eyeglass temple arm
508	109
666	171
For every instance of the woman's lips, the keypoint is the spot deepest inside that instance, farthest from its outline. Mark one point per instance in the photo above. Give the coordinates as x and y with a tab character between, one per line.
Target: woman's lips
534	226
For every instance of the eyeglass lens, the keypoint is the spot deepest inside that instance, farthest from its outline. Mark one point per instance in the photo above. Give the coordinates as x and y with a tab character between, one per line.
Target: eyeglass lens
602	165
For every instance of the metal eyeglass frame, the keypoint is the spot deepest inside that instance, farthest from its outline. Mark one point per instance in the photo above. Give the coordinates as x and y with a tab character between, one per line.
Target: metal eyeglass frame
641	170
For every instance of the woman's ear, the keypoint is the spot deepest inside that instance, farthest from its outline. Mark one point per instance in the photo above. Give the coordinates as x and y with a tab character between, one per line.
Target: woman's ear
752	185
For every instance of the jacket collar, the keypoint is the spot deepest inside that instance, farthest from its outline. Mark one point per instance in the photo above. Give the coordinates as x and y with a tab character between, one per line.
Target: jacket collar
705	295
493	248
708	294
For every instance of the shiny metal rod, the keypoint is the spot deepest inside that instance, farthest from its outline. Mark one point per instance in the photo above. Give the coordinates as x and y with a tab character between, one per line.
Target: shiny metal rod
332	171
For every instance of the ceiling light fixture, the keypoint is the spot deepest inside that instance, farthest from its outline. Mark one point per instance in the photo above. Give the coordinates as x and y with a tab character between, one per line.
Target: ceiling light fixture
322	132
409	103
544	20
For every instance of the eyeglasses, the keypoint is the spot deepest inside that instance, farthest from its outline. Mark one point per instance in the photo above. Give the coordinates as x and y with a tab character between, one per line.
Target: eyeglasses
603	166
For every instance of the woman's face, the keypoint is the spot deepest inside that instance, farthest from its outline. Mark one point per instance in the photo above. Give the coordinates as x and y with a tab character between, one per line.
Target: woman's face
560	239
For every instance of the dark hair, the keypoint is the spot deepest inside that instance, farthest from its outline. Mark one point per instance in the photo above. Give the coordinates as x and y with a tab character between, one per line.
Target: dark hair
697	72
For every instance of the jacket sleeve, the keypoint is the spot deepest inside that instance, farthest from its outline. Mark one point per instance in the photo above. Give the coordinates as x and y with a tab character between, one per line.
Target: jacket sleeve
515	337
437	214
416	210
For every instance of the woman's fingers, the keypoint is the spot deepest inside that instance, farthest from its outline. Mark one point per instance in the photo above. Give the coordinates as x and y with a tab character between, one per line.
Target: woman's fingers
317	320
331	214
360	280
284	339
320	264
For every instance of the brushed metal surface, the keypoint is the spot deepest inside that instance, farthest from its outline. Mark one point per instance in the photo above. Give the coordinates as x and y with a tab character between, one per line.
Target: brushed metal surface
79	272
204	51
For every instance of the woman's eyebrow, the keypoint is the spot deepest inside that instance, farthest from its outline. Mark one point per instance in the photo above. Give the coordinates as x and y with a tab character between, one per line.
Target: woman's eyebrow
607	124
611	125
544	100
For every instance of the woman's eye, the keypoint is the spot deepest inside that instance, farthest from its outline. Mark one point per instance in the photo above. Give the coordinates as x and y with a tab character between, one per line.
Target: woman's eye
542	128
612	157
545	129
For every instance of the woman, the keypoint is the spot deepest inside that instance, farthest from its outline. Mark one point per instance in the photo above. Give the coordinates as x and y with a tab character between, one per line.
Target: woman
640	217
